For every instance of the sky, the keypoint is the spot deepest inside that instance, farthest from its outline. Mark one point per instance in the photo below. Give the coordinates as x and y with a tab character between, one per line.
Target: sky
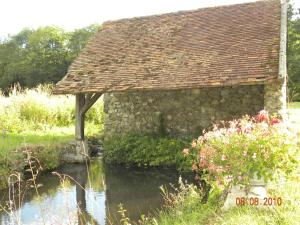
71	14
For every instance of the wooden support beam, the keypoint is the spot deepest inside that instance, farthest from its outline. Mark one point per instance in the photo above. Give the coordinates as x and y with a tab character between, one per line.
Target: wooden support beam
79	117
88	96
83	103
89	101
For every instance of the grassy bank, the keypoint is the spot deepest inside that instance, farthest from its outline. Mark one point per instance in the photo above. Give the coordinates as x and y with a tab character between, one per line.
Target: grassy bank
12	141
34	118
189	210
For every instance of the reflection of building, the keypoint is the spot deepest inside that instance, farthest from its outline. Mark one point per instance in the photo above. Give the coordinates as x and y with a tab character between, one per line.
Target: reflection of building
138	190
90	208
86	200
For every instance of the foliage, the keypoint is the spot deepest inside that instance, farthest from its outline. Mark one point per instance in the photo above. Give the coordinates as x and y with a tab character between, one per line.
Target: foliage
293	54
144	151
247	147
178	198
49	156
78	39
40	56
4	172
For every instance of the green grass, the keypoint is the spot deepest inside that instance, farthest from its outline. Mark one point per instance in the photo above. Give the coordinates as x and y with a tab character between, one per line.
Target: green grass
294	105
294	114
192	213
12	141
10	159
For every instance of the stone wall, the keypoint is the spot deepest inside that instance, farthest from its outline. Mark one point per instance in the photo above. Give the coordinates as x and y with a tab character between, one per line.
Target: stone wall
178	113
275	98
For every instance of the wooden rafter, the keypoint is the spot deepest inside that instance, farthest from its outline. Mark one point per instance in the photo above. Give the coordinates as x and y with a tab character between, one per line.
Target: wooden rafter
89	102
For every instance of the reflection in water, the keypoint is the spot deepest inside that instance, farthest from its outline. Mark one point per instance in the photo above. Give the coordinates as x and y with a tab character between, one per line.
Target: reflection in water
95	196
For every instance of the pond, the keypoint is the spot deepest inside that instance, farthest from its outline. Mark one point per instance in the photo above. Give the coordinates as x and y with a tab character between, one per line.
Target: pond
93	199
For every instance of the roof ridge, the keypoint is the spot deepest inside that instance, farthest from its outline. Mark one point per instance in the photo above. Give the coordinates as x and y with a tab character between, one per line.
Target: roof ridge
185	11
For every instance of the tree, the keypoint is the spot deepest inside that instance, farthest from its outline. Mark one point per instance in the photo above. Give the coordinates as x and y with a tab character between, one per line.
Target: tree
39	56
293	54
79	38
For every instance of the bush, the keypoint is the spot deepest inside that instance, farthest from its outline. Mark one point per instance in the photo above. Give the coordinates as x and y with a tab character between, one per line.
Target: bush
233	153
49	156
145	151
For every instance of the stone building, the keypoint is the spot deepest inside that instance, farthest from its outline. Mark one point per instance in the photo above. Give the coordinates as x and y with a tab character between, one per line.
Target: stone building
177	73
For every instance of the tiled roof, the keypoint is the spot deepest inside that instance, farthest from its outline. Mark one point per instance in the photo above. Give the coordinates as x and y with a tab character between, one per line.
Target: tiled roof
218	46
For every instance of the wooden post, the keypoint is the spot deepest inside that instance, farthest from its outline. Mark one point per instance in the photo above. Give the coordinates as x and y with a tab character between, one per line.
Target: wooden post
81	151
79	117
83	103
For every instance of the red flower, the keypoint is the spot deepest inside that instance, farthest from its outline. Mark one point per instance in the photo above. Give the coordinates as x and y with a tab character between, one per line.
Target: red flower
274	121
262	116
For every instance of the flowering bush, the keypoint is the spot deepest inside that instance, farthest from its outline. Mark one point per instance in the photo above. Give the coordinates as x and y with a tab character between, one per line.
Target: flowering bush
236	151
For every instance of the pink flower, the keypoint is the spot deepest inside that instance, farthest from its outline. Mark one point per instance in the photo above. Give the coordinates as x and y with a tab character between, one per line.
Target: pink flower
223	158
240	178
212	167
245	153
228	178
194	144
186	151
254	155
219	182
274	121
247	127
239	130
202	163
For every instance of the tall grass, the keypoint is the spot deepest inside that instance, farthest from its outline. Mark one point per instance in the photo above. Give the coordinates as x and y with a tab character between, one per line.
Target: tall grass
36	109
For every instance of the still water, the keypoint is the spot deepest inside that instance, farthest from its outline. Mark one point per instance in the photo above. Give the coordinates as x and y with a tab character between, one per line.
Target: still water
93	199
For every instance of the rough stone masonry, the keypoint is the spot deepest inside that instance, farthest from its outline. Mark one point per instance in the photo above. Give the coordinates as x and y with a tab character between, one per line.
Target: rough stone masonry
178	113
